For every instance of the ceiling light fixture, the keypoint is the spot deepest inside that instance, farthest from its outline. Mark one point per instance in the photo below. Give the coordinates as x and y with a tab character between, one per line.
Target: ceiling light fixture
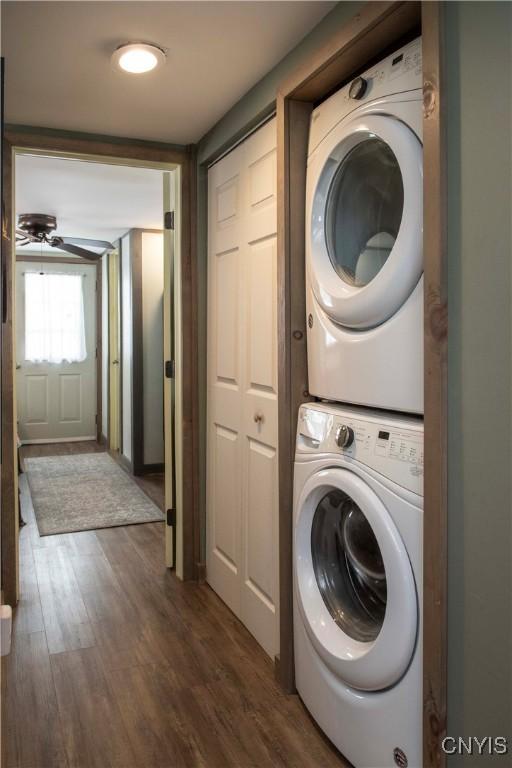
138	58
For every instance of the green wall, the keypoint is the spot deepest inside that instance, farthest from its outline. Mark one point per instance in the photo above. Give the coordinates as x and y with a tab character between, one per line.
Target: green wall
478	51
244	115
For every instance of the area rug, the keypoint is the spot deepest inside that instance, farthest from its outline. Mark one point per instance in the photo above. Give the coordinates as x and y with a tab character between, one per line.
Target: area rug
83	492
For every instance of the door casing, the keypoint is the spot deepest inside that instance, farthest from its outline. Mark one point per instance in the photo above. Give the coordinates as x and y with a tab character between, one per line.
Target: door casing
22	139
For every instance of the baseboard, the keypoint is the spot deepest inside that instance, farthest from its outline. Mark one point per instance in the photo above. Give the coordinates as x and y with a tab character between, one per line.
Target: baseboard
148	469
102	440
51	440
124	462
201	572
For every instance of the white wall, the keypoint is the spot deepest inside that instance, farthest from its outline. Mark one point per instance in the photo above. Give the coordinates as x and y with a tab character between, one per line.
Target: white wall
126	347
152	345
104	346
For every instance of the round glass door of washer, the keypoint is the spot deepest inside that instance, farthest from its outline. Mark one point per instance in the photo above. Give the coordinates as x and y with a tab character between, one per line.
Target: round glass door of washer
348	566
355	587
364	245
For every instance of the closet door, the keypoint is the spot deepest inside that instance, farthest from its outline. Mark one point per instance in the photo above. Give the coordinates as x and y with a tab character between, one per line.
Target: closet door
242	523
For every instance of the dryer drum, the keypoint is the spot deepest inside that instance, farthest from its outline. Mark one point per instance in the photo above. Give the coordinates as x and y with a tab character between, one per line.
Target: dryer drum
348	566
364	211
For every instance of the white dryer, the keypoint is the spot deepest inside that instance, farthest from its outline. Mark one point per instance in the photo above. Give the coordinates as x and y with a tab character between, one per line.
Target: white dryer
364	230
358	533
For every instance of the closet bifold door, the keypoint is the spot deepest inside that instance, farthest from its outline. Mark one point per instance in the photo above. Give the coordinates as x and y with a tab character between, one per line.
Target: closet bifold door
242	472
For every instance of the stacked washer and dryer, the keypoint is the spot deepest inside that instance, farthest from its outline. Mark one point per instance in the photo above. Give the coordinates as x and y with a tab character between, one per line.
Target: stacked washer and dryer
358	482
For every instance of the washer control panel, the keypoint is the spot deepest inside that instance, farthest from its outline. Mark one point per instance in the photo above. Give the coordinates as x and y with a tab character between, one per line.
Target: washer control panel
390	444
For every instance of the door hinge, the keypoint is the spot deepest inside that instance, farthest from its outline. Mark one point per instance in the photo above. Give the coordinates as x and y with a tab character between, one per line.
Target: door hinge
96	419
169	220
170	369
171	517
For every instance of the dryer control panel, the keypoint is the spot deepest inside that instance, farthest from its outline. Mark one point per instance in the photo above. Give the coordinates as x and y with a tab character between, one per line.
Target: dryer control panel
399	73
390	444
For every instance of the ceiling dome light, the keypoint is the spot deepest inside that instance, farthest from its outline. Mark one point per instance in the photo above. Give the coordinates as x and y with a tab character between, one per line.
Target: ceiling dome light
137	58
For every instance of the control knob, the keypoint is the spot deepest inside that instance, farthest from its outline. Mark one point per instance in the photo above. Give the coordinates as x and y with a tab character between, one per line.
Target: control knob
358	88
344	436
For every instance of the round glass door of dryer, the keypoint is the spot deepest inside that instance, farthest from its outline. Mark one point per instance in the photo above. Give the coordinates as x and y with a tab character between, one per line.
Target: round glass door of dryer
364	211
365	220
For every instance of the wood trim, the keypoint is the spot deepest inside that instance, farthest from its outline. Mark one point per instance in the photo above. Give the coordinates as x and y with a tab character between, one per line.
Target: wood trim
435	547
351	47
189	373
292	137
73	143
54	259
137	353
9	469
107	393
99	350
119	250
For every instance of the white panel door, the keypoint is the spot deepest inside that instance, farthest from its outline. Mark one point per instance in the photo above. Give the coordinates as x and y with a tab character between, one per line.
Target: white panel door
56	401
242	529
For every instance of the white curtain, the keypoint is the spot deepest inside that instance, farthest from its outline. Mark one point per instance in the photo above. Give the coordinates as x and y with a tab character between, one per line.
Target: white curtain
54	318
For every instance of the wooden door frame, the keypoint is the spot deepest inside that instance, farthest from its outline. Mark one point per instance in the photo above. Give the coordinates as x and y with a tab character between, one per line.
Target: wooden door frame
56	142
58	259
370	34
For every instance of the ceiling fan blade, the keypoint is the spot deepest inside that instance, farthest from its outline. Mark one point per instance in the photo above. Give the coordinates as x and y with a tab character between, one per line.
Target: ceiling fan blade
88	241
77	251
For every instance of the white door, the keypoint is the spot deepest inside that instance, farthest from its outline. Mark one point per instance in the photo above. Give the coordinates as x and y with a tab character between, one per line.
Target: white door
56	398
242	508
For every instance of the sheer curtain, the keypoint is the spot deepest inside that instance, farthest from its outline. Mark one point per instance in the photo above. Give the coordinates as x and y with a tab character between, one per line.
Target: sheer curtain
54	318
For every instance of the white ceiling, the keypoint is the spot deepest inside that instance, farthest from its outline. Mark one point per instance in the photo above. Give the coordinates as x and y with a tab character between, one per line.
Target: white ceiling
89	199
58	71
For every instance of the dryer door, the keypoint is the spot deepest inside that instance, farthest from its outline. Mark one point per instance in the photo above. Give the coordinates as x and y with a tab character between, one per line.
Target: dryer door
354	582
364	219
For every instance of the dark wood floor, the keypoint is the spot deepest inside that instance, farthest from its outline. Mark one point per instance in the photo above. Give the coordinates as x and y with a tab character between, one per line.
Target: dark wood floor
117	664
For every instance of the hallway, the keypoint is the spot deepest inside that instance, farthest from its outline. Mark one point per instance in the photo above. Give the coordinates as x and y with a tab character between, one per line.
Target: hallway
117	664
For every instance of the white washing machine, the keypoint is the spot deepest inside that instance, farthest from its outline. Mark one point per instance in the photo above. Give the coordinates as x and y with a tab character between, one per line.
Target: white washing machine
364	230
358	533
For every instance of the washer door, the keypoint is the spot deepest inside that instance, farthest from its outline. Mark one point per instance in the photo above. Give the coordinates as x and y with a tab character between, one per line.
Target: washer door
354	582
366	220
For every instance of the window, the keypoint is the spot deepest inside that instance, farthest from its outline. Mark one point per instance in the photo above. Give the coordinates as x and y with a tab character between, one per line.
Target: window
54	318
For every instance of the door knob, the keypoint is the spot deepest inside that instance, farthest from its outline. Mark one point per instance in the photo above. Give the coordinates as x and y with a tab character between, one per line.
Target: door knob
259	418
18	366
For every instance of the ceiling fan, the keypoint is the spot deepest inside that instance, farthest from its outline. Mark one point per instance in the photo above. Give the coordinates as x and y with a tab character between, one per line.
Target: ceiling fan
37	228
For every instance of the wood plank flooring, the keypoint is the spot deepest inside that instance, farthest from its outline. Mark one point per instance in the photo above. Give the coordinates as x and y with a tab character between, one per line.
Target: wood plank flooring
117	664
